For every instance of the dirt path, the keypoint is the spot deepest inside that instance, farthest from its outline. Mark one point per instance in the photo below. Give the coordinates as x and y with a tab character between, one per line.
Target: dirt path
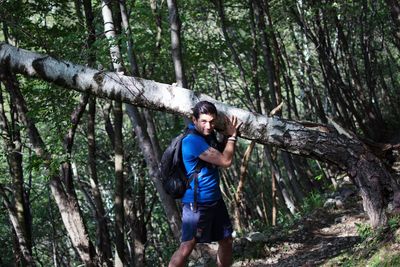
322	235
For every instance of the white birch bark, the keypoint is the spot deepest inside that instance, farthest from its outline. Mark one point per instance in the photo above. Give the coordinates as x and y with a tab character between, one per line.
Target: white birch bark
110	33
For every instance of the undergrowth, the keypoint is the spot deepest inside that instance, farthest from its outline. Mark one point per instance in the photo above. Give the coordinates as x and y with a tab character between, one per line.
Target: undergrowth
380	247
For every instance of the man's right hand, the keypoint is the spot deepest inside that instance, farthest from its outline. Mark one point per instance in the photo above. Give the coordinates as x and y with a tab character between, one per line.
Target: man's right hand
232	126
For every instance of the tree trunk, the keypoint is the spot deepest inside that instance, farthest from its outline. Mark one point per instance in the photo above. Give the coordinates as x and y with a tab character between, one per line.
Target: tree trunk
154	170
292	177
239	195
119	186
18	208
102	231
394	6
328	143
157	48
116	58
176	44
129	42
279	185
23	243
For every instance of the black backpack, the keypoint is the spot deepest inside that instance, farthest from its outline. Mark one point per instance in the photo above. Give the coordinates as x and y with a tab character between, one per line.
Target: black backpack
173	175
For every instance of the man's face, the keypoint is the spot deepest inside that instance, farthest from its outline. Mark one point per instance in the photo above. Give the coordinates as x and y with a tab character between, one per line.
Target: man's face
205	123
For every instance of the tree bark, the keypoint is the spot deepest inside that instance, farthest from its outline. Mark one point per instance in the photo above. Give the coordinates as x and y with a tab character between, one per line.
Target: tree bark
103	236
104	241
331	144
176	44
23	243
19	209
394	6
154	170
157	48
116	58
129	42
239	195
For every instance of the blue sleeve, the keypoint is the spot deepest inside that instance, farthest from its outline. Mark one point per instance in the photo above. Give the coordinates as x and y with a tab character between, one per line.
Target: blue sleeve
193	146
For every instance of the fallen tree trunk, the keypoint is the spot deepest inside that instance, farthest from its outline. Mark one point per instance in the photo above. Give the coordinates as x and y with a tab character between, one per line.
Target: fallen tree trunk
327	143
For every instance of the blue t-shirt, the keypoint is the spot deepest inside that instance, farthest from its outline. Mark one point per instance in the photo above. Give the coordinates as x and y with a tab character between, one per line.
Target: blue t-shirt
193	145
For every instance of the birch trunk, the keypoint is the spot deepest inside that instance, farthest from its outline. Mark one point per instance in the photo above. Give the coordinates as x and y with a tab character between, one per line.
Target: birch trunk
110	33
328	143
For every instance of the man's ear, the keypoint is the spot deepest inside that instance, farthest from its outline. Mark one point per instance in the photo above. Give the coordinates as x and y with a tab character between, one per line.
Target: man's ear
194	119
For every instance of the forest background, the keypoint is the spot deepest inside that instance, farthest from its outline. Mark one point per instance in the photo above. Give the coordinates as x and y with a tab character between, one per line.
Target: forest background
79	176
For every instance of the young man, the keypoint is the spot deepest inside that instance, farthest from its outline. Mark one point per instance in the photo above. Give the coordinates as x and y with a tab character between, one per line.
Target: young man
205	217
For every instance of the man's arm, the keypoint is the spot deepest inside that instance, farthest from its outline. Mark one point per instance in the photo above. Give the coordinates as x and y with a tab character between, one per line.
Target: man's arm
224	159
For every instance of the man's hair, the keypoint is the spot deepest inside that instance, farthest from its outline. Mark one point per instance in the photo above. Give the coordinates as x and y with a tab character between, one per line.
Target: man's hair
204	107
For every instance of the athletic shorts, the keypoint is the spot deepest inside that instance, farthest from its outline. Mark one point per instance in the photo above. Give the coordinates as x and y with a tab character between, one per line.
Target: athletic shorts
210	222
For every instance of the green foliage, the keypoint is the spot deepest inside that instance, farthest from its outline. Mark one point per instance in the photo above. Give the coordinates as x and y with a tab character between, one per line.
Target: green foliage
5	239
312	201
319	177
287	221
394	222
379	246
364	230
385	258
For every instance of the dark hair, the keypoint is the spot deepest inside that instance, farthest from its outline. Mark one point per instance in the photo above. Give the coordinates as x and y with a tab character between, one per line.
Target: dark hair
204	107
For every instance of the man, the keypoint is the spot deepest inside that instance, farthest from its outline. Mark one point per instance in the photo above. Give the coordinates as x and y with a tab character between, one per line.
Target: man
205	218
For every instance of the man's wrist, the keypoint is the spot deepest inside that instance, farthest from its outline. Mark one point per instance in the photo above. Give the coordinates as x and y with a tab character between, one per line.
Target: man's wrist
232	138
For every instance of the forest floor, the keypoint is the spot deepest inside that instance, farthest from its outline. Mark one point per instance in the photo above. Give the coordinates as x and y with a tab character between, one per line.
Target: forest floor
313	240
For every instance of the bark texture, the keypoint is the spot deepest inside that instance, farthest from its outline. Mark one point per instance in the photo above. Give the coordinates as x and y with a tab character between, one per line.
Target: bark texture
329	143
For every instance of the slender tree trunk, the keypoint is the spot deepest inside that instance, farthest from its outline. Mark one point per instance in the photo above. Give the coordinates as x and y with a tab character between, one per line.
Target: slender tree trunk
394	6
129	43
102	229
280	183
119	186
110	32
24	257
104	241
254	60
158	20
19	206
292	177
135	217
267	55
239	196
111	35
176	43
152	163
91	32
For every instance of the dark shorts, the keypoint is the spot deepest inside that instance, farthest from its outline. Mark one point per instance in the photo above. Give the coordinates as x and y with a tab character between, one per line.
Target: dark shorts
210	222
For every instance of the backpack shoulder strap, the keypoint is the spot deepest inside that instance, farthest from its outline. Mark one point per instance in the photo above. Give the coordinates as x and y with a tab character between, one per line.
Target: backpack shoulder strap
194	176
